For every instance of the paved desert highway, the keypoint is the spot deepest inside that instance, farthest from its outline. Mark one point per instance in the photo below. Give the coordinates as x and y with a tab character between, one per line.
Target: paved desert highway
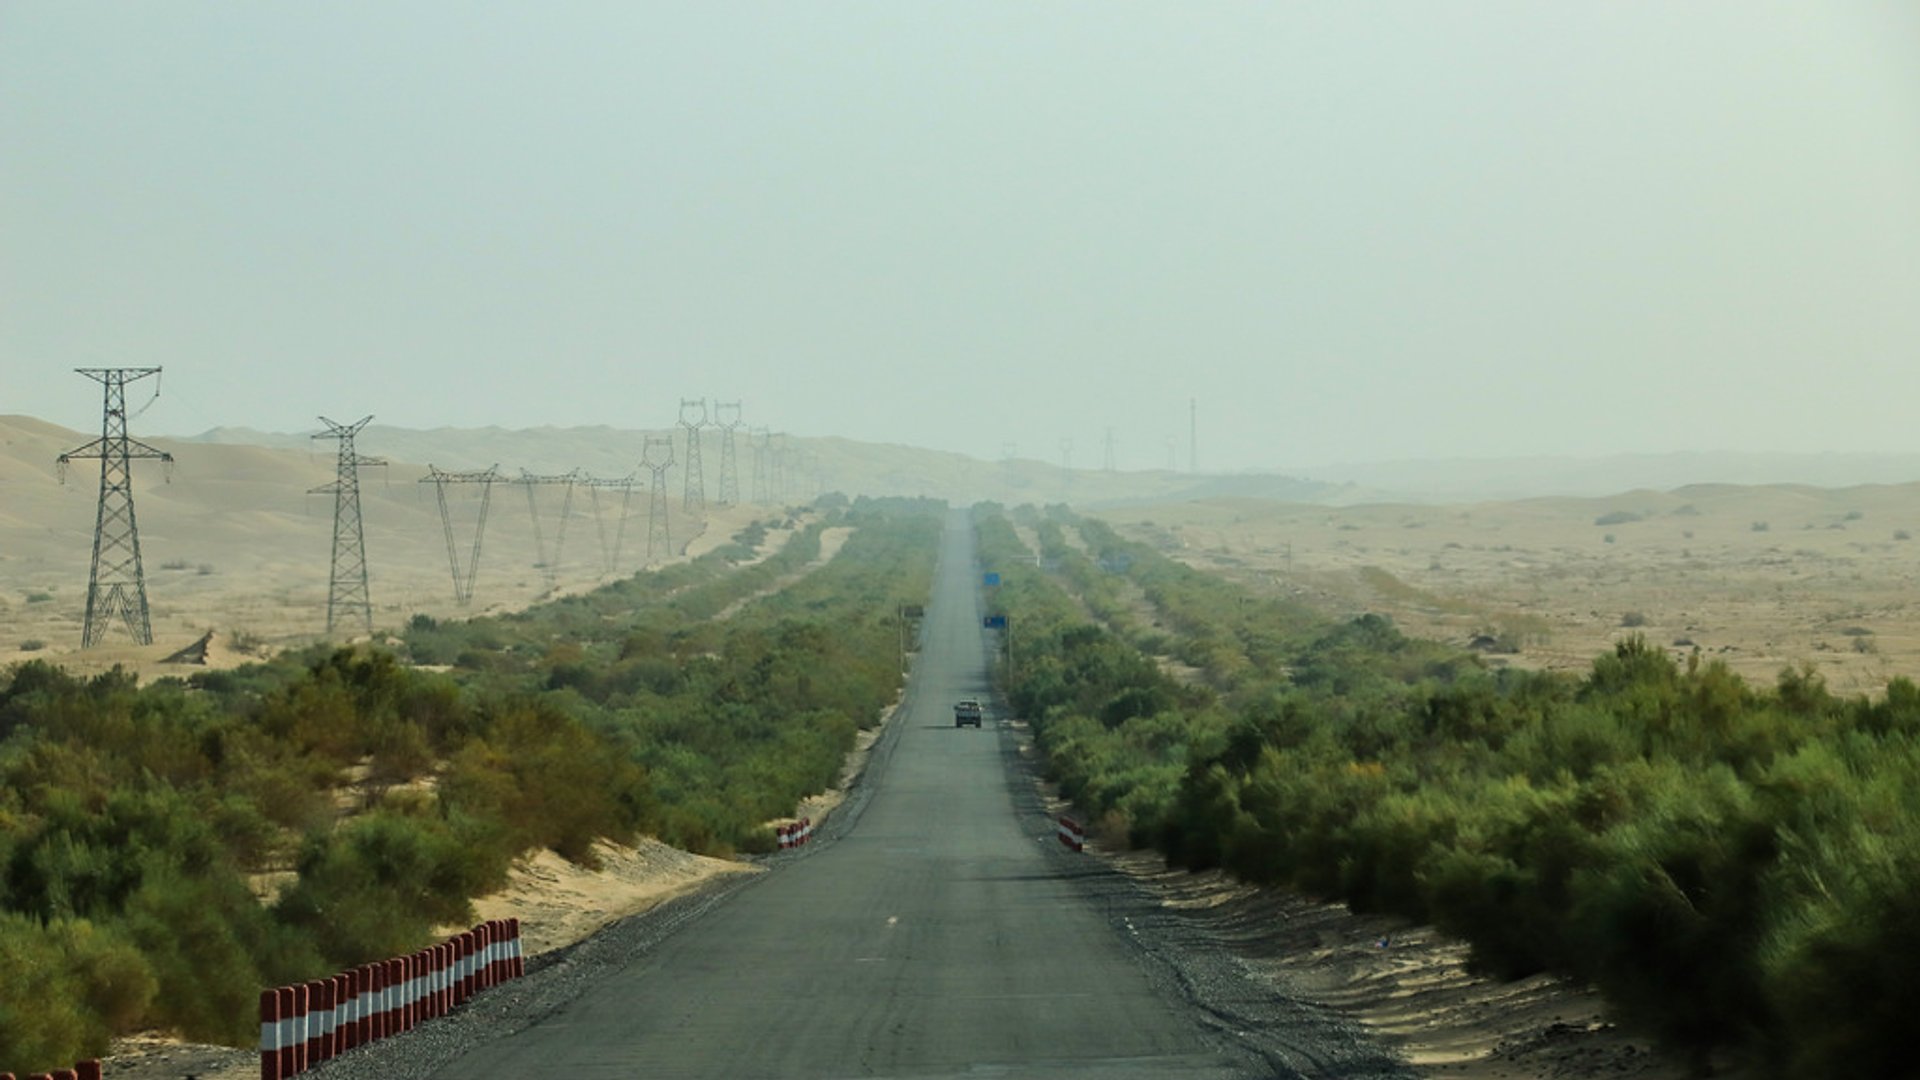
936	938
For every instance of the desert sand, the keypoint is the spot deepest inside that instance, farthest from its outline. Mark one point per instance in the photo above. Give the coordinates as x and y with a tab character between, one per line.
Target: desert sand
1759	577
234	542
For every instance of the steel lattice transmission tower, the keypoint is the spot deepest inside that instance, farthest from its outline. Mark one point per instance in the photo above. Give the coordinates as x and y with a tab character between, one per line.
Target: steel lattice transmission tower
726	417
347	586
567	480
758	438
657	456
463	584
117	583
610	552
778	443
695	499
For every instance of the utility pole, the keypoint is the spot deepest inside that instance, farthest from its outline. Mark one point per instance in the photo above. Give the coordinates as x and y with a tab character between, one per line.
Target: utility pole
657	455
610	555
117	581
567	480
347	590
463	585
695	499
729	467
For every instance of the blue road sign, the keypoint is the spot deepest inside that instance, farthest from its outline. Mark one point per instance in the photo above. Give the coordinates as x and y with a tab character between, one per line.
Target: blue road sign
994	622
990	579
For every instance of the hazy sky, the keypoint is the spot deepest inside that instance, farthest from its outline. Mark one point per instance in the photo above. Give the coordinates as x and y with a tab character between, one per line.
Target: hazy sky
1351	231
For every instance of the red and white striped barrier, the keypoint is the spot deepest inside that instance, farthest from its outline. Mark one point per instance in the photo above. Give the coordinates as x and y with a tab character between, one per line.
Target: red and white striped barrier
792	836
85	1070
302	1026
1072	835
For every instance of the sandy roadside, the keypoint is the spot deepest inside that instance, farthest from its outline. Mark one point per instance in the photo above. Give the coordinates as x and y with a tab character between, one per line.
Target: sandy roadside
1409	984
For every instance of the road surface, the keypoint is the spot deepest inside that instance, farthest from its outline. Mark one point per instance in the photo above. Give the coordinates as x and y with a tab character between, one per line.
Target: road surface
938	930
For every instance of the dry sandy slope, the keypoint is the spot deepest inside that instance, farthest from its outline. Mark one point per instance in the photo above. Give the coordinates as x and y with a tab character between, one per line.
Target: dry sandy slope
234	543
1760	577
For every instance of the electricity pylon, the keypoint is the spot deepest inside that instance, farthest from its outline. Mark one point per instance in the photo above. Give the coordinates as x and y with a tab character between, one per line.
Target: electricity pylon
758	438
778	442
347	590
531	481
657	456
695	499
729	468
463	584
117	582
610	554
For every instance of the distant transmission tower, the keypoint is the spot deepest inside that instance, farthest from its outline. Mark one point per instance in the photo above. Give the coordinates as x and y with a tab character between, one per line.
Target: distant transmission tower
1193	435
759	438
347	586
117	583
657	456
463	583
695	499
1107	463
610	553
729	468
567	480
778	443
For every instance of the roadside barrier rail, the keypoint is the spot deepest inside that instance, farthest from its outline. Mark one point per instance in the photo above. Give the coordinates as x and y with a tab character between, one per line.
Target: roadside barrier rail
794	835
302	1026
1072	835
85	1070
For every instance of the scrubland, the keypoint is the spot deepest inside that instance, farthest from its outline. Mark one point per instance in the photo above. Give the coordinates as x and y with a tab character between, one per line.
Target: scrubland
167	849
1727	859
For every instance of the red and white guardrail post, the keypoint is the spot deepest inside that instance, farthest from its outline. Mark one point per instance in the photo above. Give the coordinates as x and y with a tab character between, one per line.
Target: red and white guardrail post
1072	835
304	1025
85	1070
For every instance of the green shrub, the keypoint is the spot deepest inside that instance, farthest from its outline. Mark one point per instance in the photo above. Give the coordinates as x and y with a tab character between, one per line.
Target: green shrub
69	986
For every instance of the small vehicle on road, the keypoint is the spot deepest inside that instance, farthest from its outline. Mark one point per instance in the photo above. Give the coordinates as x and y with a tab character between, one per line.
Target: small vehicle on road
966	711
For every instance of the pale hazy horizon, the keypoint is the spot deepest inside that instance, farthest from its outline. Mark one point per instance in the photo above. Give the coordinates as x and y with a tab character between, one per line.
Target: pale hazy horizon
1349	234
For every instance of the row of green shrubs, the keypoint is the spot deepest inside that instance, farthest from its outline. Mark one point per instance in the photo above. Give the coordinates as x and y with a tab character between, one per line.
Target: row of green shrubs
137	822
733	719
1733	866
132	819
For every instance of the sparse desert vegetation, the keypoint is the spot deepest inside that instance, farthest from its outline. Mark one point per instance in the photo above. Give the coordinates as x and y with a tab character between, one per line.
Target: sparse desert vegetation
1692	567
696	704
1728	860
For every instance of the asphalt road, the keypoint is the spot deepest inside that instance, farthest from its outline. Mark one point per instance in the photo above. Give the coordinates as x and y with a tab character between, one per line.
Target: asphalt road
937	930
